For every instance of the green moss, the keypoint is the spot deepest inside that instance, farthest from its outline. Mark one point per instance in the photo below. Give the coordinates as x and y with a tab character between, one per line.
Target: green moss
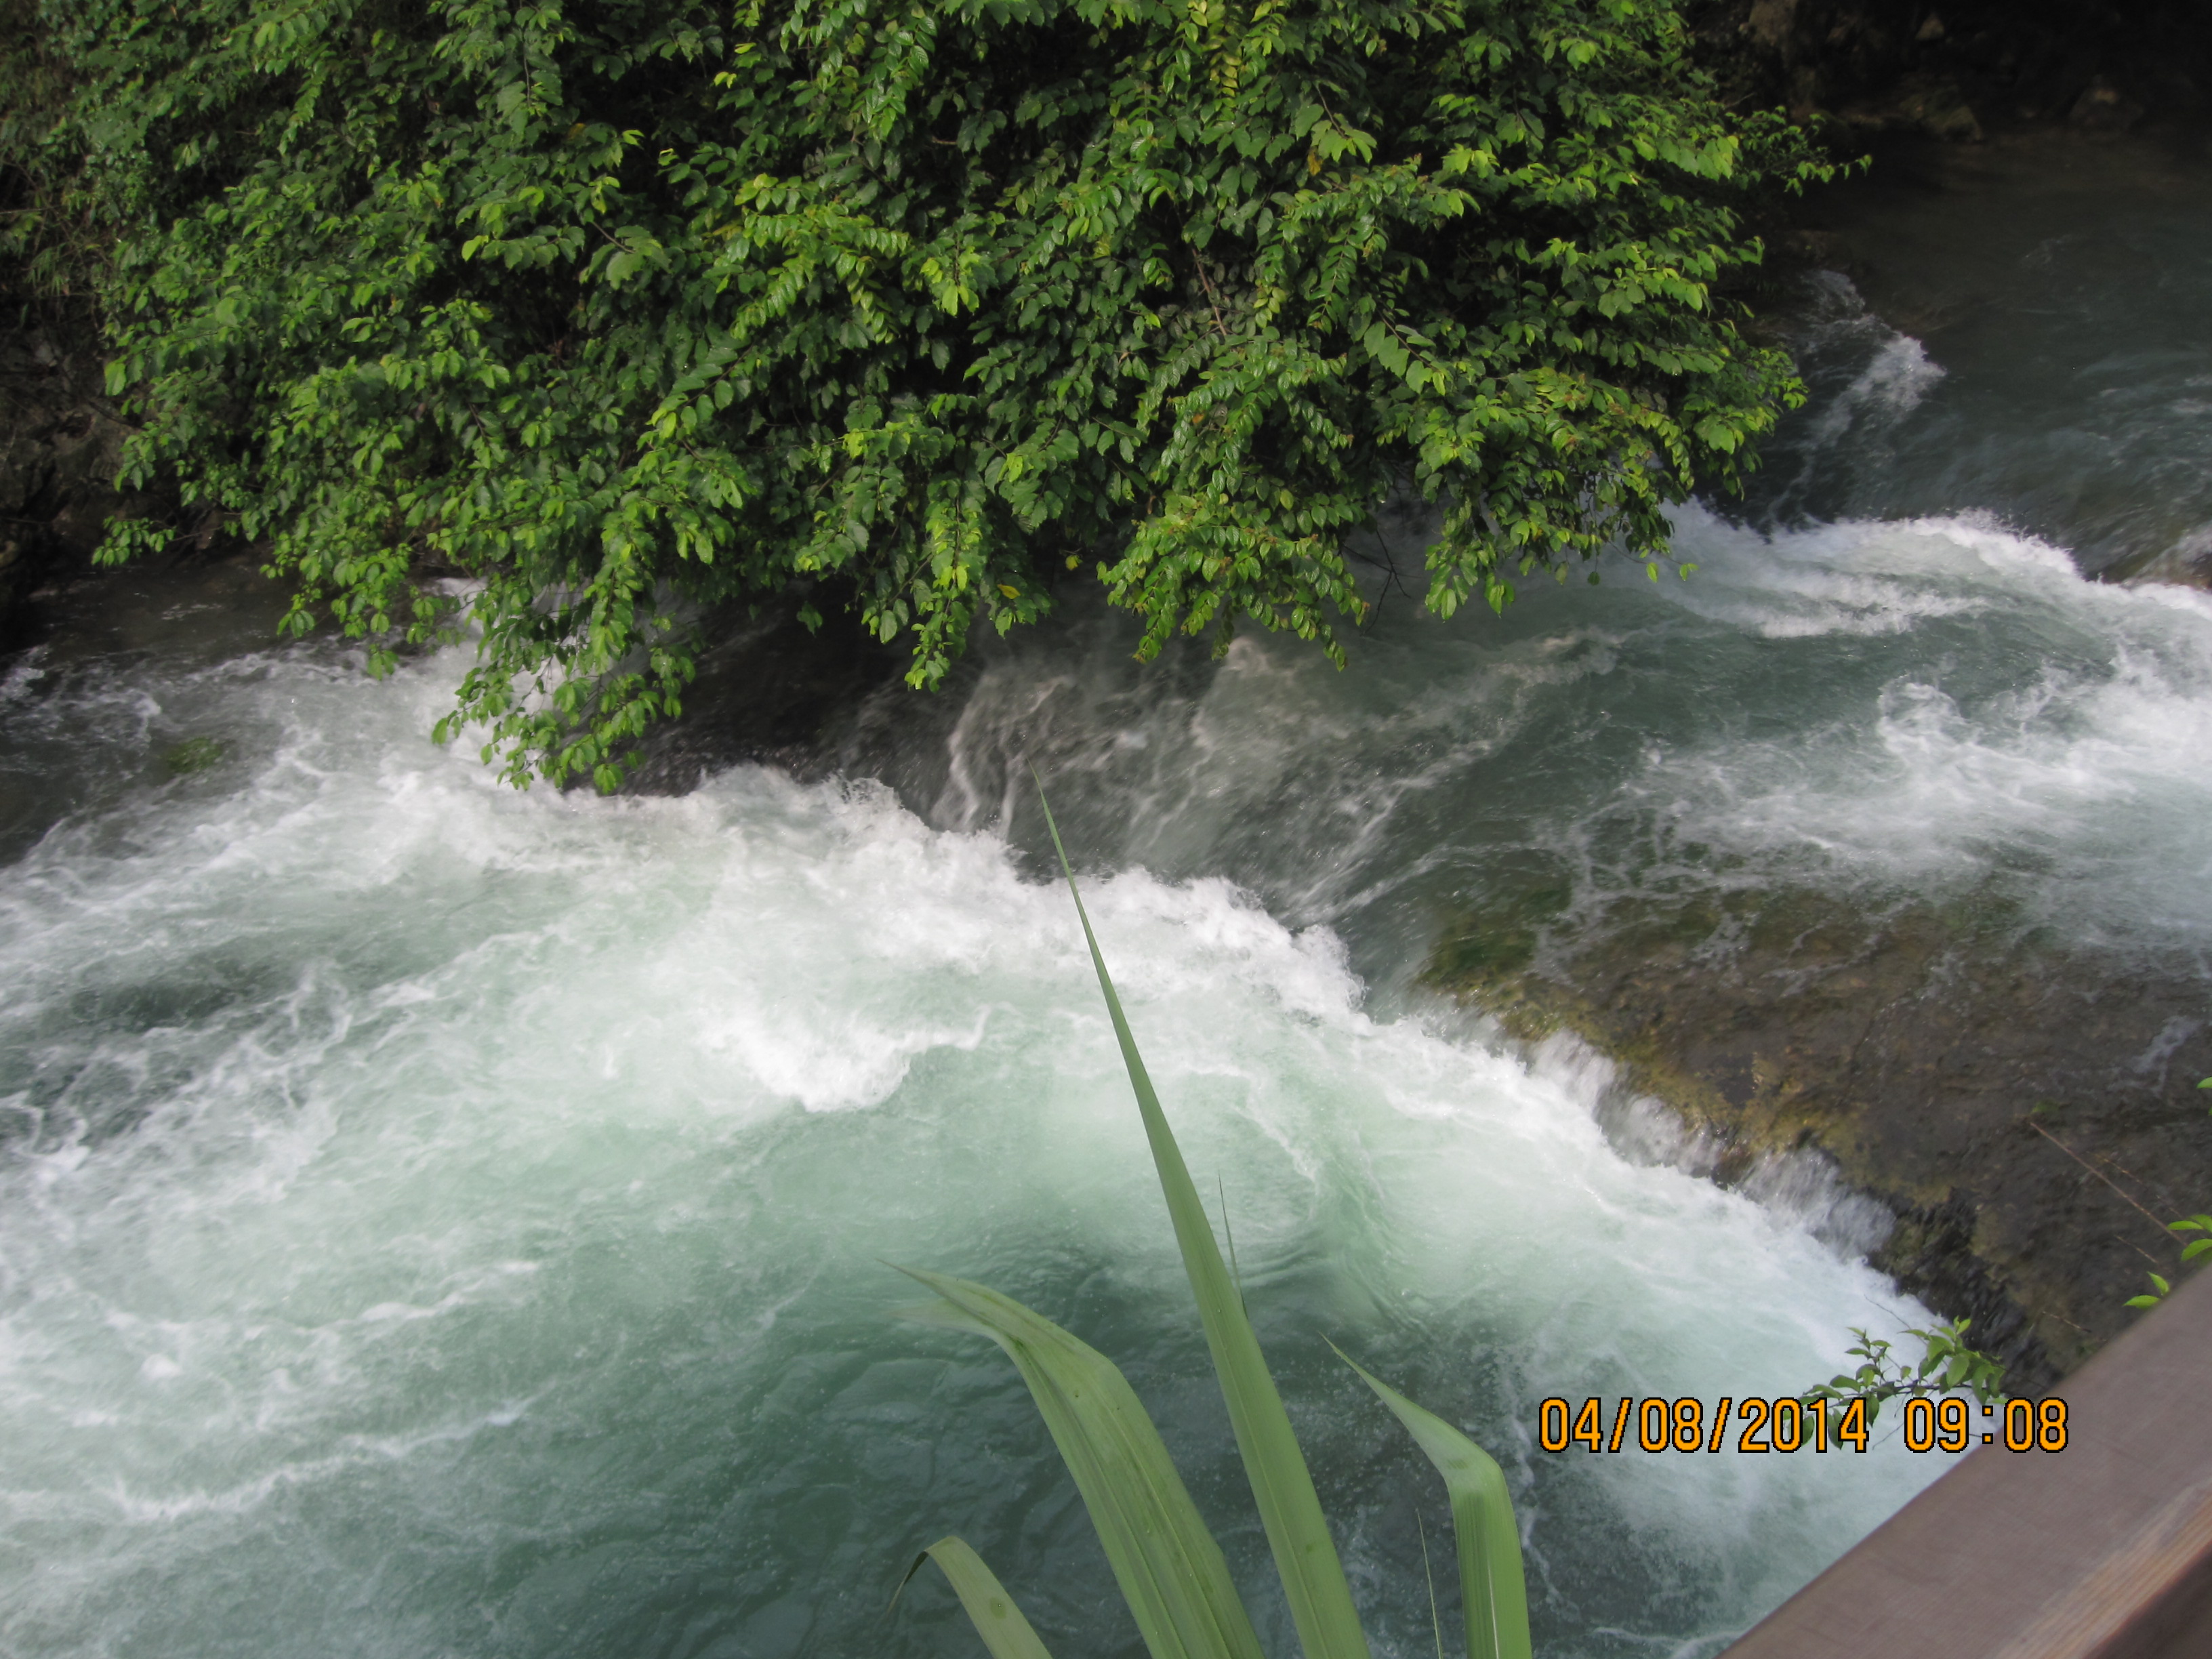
1484	950
195	754
767	315
1900	1036
1497	942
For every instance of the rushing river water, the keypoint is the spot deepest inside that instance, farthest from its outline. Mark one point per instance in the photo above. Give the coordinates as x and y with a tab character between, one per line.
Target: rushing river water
436	1220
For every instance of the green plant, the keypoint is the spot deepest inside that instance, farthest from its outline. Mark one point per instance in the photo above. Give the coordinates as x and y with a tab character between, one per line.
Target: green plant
619	313
50	248
1947	1364
1167	1564
2162	1287
195	754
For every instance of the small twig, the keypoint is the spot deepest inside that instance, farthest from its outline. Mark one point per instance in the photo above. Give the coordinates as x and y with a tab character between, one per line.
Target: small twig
2138	1249
2157	1186
1212	294
1391	578
2164	1231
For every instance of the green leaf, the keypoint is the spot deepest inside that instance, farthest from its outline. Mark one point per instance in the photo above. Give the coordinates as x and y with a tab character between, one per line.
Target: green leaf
1493	1593
362	322
1305	1554
1167	1564
1005	1631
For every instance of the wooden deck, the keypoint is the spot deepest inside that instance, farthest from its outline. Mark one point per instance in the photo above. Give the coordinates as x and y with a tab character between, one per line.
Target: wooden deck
2103	1551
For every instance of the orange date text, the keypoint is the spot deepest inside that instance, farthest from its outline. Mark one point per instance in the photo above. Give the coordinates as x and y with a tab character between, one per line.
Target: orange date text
1764	1425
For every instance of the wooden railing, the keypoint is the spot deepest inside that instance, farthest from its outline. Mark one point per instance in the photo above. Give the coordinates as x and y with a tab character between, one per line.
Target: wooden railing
2102	1551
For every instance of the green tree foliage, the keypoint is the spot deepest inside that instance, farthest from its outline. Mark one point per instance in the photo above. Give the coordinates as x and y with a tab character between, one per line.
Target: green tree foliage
618	310
49	246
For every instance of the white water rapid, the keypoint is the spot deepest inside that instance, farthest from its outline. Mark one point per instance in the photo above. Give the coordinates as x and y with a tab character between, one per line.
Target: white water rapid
443	1223
441	1220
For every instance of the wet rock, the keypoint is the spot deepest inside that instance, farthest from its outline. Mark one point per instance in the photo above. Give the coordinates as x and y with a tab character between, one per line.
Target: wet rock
770	690
1802	248
195	754
2026	1111
1937	107
2104	109
1924	102
2186	563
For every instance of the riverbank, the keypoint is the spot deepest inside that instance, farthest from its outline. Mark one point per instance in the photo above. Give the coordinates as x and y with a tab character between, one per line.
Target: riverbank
60	443
2023	1111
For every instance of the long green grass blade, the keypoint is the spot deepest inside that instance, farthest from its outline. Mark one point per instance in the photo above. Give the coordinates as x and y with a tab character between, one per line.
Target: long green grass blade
997	1619
1494	1594
1305	1555
1170	1569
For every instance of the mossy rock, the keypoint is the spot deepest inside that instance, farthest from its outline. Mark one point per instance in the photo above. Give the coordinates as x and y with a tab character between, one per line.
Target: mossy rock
195	754
2018	1102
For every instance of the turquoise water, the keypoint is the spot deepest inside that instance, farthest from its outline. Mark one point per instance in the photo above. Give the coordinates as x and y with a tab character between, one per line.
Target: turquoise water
438	1219
1890	709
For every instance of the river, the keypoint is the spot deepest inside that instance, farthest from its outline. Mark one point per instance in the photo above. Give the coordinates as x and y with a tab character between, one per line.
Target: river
441	1220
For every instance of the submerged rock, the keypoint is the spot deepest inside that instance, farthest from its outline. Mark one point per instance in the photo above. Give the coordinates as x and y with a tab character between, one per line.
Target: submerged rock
2027	1112
195	754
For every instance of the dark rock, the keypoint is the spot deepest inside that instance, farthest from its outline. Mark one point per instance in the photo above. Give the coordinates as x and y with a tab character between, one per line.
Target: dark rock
1804	248
2103	107
61	446
2186	563
1884	64
2027	1113
1936	106
770	690
1941	112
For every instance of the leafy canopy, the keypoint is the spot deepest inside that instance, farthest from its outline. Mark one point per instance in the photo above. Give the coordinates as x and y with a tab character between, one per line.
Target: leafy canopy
620	310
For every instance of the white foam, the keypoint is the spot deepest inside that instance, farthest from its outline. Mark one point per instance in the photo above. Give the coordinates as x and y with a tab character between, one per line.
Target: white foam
505	1149
1896	377
1890	387
2038	716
